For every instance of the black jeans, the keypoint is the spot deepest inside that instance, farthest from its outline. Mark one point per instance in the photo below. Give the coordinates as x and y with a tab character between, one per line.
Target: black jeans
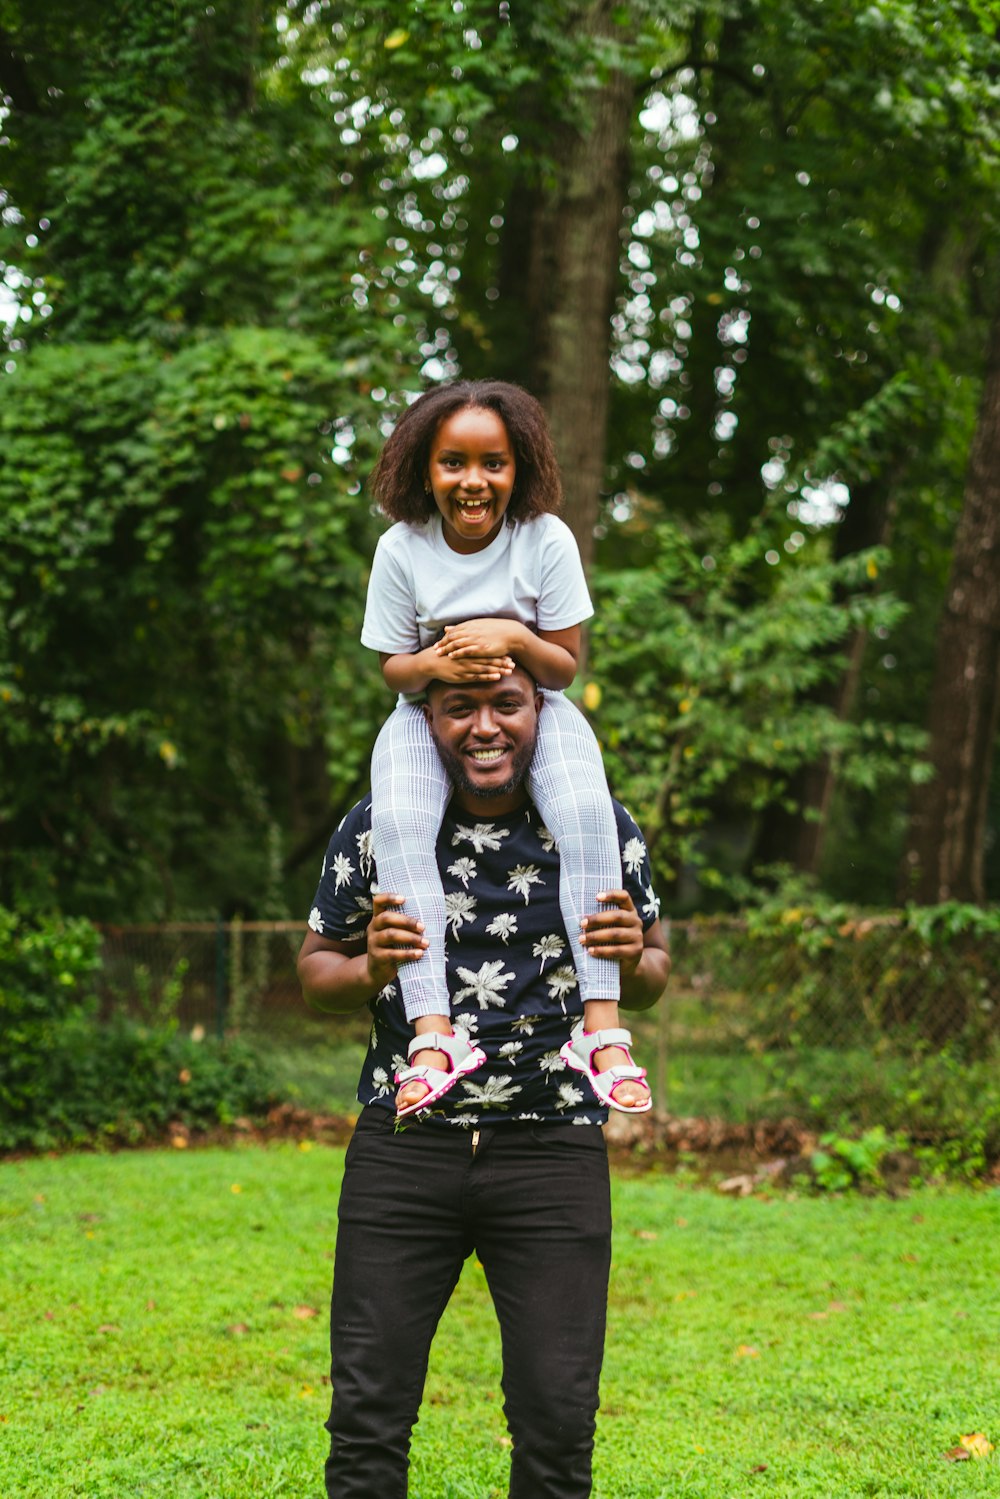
532	1201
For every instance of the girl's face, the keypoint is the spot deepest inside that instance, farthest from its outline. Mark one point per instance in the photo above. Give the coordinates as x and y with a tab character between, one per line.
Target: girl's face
471	471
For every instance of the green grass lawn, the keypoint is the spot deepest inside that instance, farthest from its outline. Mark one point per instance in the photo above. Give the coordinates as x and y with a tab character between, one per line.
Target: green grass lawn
158	1339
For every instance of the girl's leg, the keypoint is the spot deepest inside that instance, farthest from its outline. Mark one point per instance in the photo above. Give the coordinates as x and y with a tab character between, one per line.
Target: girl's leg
409	794
570	790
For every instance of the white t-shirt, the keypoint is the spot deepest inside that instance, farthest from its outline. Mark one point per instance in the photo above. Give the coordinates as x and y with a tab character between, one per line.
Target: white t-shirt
530	572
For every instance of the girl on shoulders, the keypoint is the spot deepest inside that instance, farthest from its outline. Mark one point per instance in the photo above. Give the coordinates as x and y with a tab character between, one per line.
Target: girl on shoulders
477	574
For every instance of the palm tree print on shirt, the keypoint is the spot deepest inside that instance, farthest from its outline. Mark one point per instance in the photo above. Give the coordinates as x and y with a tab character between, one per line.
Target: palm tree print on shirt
503	926
364	911
366	851
468	1024
569	1096
464	870
484	986
634	855
551	946
483	836
495	1093
459	907
343	870
561	981
522	877
381	1080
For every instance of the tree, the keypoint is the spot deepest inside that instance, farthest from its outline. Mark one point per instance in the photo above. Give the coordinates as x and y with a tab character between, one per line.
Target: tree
945	853
183	542
241	237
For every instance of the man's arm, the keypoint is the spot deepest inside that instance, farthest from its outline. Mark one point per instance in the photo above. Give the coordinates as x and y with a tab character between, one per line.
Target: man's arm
340	977
617	933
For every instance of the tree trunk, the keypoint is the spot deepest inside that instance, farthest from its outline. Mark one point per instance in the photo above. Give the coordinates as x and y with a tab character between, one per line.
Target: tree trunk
575	382
944	857
559	273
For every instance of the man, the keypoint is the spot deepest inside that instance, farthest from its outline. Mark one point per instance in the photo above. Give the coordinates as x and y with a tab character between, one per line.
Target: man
499	1167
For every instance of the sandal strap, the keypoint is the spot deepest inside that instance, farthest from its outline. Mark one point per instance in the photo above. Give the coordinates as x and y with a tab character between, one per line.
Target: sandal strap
623	1074
421	1074
455	1047
615	1036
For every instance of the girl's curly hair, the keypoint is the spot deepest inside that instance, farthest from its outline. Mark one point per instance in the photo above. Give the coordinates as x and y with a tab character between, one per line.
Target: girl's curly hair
400	474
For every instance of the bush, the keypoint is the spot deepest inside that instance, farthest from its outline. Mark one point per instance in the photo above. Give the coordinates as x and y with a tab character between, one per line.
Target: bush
66	1078
45	971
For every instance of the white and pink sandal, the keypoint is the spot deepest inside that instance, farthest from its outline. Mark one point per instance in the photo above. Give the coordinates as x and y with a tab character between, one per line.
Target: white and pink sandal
578	1053
463	1057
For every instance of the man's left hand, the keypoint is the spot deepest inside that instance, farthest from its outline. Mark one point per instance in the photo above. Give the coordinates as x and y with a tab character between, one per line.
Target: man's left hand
616	932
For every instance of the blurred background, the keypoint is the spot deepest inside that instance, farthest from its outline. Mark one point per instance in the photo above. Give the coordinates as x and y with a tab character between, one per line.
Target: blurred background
744	254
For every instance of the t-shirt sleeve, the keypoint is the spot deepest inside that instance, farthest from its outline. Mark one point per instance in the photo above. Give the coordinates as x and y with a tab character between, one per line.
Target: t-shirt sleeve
390	622
563	598
636	869
342	905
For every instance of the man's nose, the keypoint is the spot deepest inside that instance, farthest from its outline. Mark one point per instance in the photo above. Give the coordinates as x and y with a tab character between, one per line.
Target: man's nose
484	725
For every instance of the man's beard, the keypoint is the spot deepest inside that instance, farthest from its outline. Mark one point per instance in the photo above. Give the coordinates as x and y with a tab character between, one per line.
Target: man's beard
455	768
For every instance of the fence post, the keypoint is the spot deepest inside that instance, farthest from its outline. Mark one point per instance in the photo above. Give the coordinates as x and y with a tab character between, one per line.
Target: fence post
220	979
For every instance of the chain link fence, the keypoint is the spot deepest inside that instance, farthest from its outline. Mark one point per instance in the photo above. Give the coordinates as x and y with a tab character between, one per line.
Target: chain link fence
825	1022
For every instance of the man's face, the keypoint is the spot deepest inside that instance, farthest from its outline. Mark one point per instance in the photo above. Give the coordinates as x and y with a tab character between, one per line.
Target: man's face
485	734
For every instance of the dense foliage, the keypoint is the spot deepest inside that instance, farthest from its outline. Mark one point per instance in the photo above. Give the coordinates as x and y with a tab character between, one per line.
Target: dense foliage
235	236
68	1078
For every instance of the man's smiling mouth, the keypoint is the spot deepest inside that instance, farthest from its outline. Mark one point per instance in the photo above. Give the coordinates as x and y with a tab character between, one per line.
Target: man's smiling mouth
487	756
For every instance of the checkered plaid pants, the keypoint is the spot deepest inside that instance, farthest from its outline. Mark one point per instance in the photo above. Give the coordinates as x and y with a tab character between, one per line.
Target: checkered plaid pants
567	784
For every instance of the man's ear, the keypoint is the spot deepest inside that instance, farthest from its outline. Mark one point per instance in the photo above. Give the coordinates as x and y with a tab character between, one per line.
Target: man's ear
425	709
539	700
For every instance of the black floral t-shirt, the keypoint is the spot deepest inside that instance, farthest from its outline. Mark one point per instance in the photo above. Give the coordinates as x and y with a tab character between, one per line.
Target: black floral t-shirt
511	978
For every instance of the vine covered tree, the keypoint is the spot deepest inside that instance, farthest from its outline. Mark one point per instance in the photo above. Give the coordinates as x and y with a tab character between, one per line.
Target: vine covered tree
742	255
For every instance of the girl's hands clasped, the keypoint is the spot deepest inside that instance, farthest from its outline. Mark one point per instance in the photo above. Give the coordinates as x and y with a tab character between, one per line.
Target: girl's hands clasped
471	668
481	638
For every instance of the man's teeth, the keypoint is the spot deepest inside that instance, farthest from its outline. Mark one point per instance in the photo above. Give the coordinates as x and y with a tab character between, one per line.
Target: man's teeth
484	756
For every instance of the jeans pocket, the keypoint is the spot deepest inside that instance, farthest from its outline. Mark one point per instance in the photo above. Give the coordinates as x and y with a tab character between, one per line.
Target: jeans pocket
581	1138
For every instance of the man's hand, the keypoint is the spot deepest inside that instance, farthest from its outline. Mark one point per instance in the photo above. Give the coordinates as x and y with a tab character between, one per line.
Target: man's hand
392	938
615	933
479	638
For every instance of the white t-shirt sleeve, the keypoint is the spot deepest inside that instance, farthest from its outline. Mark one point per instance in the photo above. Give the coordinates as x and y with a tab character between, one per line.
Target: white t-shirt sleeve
390	622
563	598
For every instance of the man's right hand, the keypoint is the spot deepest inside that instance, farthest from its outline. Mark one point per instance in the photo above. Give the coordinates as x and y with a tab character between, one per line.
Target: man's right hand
393	938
